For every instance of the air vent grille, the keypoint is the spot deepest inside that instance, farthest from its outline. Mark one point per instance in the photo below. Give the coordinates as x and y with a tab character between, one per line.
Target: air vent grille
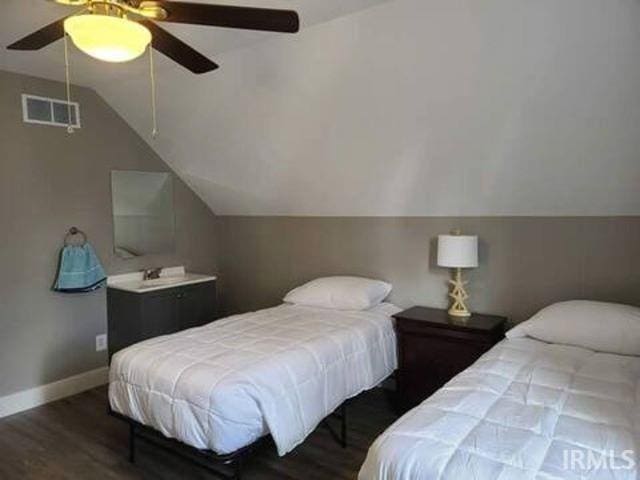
50	111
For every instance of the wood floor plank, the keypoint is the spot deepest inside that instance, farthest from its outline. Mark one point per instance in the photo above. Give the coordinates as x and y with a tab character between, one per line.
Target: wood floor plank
75	439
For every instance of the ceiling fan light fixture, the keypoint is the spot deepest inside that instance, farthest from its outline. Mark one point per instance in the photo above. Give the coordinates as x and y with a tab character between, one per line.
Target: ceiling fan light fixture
108	38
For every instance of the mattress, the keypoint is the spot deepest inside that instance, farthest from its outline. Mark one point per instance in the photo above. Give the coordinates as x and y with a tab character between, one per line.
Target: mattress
277	371
524	410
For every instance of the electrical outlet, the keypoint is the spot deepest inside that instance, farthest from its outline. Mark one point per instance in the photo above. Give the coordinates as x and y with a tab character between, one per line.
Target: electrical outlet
101	342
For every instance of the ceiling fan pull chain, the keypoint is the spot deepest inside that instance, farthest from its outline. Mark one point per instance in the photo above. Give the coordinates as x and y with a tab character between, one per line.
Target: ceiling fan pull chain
154	132
68	84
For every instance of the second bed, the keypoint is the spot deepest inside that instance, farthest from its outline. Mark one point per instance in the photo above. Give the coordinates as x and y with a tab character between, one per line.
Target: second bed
558	406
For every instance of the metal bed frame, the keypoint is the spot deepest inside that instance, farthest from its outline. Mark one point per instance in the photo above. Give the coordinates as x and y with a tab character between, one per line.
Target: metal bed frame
228	466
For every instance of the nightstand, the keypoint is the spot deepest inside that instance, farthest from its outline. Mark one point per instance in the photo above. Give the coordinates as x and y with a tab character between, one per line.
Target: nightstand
434	347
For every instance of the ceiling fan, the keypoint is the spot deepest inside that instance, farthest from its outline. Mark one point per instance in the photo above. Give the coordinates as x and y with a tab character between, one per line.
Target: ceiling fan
121	30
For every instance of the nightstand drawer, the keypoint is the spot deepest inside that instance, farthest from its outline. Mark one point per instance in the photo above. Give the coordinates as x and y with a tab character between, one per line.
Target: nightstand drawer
463	336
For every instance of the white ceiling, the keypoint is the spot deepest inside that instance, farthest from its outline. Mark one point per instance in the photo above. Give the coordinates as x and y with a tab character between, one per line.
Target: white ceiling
404	107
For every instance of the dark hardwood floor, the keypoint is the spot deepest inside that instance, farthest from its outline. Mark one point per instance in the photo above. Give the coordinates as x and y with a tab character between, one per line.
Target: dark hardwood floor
74	438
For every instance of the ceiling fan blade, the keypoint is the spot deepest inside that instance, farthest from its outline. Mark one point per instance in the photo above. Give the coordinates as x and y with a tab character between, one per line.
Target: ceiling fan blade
249	18
177	50
43	37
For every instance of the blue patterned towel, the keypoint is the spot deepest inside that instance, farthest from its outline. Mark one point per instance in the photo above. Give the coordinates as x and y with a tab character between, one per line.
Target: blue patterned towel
79	270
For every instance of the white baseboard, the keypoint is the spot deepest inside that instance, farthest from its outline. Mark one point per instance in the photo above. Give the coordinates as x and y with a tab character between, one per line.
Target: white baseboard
21	401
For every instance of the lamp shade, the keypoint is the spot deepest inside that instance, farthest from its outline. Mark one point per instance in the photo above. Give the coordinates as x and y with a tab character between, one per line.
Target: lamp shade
111	39
458	251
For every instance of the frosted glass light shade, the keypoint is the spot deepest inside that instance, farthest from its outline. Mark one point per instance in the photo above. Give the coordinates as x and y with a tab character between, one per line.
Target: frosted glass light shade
458	251
111	39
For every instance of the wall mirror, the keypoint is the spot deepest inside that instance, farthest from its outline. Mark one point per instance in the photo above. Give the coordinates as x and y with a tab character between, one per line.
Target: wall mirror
143	216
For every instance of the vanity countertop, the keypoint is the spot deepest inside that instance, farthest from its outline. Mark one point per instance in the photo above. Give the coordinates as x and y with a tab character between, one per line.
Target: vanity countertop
169	278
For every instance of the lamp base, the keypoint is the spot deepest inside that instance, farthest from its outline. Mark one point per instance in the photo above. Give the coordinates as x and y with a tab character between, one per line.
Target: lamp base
460	313
458	294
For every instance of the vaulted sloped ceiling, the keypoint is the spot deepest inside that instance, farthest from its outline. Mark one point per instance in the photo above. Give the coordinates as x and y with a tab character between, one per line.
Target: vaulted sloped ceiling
405	107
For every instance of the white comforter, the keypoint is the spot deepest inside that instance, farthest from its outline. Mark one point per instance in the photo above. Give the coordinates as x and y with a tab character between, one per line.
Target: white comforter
279	371
525	410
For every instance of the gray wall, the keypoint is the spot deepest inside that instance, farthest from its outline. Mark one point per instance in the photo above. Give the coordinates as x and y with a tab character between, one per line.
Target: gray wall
49	181
526	262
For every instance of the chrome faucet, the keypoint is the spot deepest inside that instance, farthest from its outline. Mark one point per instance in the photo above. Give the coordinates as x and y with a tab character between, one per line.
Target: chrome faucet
151	273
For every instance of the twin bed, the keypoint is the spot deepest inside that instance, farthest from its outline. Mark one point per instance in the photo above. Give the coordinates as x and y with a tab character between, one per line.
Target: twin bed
280	371
545	403
525	410
529	408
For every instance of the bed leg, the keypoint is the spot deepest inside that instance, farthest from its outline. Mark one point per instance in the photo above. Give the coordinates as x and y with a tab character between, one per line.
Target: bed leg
132	443
343	425
237	469
341	436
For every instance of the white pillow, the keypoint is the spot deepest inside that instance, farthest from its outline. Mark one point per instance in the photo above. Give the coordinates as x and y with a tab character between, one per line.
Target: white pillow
340	293
599	326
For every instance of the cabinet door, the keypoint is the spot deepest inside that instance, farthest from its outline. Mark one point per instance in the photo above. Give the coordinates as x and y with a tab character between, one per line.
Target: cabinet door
123	318
197	305
160	314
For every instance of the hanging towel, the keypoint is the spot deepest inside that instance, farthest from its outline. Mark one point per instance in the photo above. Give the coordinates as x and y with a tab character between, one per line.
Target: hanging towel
79	270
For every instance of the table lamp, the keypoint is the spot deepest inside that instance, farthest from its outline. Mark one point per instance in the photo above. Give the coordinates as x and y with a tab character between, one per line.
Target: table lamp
457	252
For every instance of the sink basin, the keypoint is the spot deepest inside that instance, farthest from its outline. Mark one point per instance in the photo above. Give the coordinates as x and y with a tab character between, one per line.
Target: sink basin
162	281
